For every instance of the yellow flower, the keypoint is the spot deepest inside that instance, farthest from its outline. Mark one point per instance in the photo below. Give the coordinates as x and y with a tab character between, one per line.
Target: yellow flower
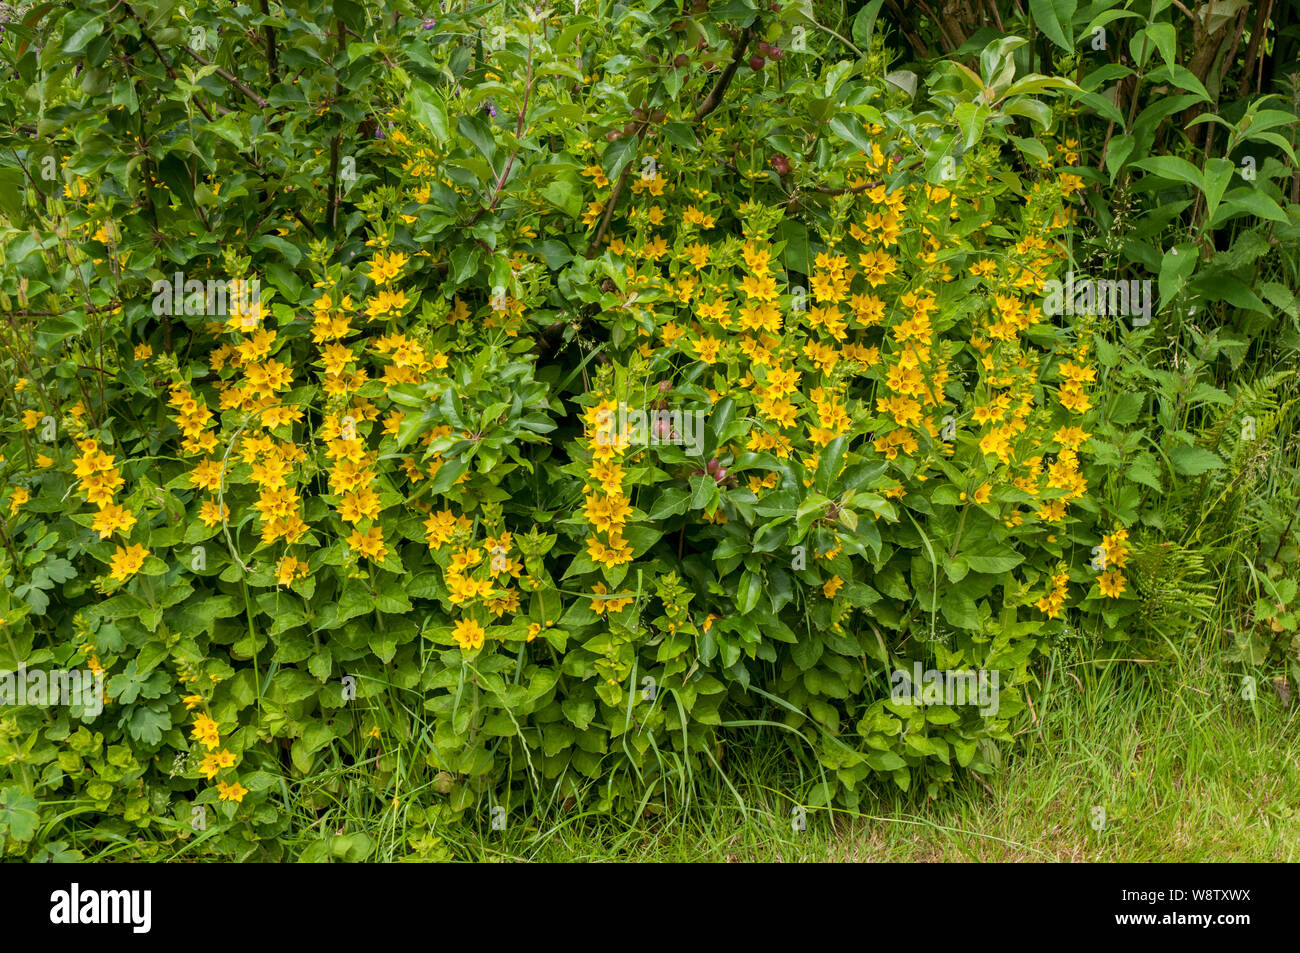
597	175
1077	374
603	602
112	518
206	475
211	514
232	792
832	586
1111	584
363	504
371	544
212	764
20	496
1053	512
1071	437
593	213
205	732
616	553
468	634
127	562
385	268
289	569
1116	551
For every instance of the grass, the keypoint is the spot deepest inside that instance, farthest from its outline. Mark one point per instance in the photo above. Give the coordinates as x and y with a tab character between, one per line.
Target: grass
1185	768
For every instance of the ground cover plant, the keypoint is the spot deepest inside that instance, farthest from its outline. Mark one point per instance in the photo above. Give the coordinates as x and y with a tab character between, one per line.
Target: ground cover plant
422	424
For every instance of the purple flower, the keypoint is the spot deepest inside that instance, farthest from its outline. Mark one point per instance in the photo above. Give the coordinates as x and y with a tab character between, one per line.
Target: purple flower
491	109
430	23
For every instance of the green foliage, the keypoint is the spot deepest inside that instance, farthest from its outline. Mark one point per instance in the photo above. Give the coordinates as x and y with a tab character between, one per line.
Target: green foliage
387	510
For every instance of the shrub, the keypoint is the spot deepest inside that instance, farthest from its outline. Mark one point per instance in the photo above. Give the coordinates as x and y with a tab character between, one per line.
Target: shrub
593	407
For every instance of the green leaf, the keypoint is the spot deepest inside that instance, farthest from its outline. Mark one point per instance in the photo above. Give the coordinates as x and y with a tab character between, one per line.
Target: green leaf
1218	174
864	24
448	474
885	761
1246	201
1175	268
1172	167
989	557
1121	147
566	195
428	112
19	813
796	255
479	133
748	592
959	609
1193	461
673	502
579	711
1165	37
850	129
1054	18
617	155
85	27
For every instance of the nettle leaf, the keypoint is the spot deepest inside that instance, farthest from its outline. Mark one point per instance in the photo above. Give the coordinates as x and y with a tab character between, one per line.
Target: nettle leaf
1194	461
